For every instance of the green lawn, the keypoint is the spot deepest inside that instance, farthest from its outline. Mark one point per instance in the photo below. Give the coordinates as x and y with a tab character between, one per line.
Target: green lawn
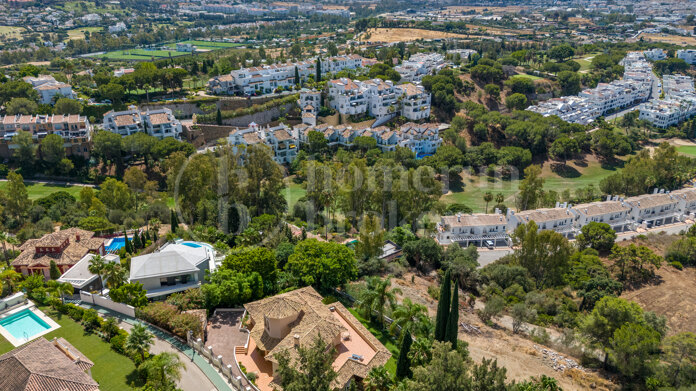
111	370
526	76
472	188
687	150
11	32
141	54
208	44
292	193
38	190
80	33
384	337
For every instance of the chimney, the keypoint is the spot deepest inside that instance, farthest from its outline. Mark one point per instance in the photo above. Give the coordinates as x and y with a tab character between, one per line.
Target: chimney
459	217
557	204
77	238
655	190
296	340
609	198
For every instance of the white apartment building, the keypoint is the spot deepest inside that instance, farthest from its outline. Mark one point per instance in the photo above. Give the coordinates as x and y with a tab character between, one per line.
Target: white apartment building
687	201
615	212
49	88
655	54
159	123
347	96
464	54
382	97
679	103
635	87
559	219
477	229
75	130
688	55
415	101
283	144
654	209
310	101
117	28
266	78
419	65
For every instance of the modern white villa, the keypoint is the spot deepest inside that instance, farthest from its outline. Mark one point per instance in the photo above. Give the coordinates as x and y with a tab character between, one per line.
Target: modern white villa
175	267
159	123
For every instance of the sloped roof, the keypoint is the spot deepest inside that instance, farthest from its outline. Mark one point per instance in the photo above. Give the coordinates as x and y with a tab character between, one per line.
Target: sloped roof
41	365
74	251
171	259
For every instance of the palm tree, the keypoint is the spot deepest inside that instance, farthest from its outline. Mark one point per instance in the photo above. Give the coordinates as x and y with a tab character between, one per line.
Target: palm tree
488	197
421	352
139	340
115	275
412	317
60	289
163	371
10	278
377	296
378	379
97	266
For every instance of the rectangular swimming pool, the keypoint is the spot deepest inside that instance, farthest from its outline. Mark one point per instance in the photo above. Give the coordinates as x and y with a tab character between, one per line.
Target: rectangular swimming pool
115	244
24	325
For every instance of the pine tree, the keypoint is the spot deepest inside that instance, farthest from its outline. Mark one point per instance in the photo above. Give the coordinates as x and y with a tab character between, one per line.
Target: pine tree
128	246
443	307
403	366
218	117
453	319
136	241
54	271
318	70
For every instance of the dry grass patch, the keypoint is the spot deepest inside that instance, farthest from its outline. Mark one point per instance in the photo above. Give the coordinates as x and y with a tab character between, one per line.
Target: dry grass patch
667	38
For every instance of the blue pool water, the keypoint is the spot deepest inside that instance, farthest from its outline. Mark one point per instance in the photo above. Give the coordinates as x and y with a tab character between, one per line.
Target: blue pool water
116	244
420	156
191	244
24	324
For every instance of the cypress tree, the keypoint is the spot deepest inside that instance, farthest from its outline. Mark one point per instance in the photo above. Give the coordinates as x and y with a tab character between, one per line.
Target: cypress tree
403	366
318	70
128	246
218	117
154	236
453	320
443	306
54	271
297	77
174	221
136	241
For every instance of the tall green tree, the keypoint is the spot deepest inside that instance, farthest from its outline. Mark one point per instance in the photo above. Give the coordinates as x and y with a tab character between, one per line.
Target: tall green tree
411	317
25	153
377	297
443	308
371	238
97	266
318	77
311	370
544	254
680	359
218	117
54	272
531	189
322	264
17	203
452	328
139	340
163	371
403	364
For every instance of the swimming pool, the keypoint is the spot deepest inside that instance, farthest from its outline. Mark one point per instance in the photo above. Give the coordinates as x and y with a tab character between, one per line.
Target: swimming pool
115	244
191	244
23	326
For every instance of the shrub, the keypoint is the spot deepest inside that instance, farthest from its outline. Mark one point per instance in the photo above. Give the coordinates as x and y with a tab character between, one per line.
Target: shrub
90	319
118	342
329	299
168	317
75	313
677	265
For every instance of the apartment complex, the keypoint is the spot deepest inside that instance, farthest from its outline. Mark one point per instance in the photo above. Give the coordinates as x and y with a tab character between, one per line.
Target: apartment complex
655	54
678	105
632	213
75	130
589	104
283	145
419	65
688	55
378	98
49	88
159	123
267	78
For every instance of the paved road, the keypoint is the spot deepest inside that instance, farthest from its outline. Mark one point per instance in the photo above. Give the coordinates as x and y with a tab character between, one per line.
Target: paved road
192	378
54	183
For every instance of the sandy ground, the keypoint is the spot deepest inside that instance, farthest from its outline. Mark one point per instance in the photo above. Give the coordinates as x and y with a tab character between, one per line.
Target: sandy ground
666	38
406	35
521	357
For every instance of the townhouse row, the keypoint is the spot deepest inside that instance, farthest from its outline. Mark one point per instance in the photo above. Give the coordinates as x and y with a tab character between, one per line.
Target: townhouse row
266	78
75	130
378	98
419	65
634	88
678	105
159	123
284	142
644	211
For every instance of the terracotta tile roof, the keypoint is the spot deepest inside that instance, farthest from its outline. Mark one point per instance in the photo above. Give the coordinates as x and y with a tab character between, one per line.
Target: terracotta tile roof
282	135
651	200
688	194
474	220
69	256
600	208
252	138
124	120
546	214
41	365
159	118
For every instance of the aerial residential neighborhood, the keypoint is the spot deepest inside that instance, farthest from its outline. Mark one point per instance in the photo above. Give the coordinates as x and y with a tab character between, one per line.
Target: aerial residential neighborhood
347	195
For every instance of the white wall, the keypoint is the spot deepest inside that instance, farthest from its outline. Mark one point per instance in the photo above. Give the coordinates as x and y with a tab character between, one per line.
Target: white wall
106	303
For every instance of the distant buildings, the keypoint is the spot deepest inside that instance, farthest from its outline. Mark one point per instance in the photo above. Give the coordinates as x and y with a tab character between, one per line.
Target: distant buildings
267	78
419	65
688	55
678	105
185	47
159	123
49	88
635	87
117	28
464	54
655	54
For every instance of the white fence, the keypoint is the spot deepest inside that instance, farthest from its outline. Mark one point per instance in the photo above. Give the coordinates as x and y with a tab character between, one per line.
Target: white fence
106	303
216	361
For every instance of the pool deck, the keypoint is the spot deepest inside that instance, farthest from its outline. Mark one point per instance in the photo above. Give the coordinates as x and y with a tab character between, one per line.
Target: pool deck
17	342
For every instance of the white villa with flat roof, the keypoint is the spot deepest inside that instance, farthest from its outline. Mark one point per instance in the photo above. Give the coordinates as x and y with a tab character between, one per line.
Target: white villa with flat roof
468	229
654	209
558	219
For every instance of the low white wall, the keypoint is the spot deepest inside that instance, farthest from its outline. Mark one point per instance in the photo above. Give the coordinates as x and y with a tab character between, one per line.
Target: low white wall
107	303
